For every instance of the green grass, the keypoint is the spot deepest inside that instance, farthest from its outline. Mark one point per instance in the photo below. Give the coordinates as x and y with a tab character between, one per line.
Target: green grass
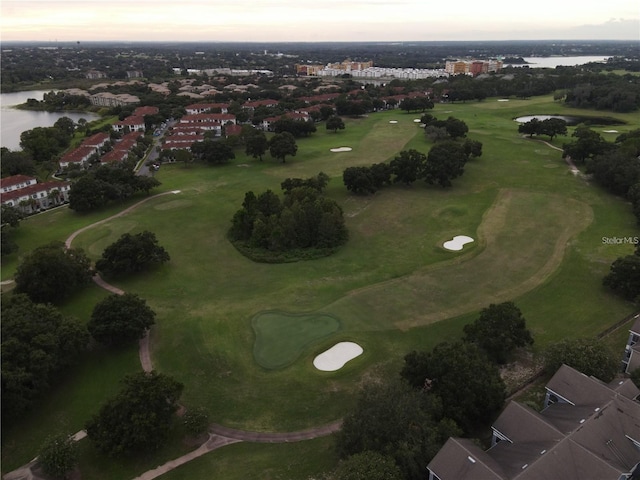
281	337
393	287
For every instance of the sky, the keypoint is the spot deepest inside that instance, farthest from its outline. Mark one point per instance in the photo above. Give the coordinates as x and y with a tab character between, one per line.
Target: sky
317	20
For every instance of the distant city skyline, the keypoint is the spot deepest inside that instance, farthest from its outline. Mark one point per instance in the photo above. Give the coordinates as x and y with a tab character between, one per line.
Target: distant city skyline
318	20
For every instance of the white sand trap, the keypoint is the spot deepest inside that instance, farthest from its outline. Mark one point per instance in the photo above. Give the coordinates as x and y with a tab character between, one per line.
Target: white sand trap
457	243
416	120
337	356
393	121
342	149
503	99
175	192
610	131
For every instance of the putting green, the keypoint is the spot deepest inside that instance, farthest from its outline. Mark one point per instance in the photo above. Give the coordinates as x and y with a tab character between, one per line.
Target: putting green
282	337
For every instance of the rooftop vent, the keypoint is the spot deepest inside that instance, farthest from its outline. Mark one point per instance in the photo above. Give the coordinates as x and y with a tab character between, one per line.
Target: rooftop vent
525	466
471	459
543	452
582	421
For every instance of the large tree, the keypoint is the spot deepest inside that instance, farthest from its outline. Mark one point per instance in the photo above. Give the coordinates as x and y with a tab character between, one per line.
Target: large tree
213	152
281	145
256	144
120	319
138	418
131	254
51	273
335	123
37	343
587	355
58	456
499	330
445	161
408	166
588	144
624	277
463	377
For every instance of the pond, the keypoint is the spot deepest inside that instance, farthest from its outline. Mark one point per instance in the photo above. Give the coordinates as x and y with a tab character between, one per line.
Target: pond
14	121
528	118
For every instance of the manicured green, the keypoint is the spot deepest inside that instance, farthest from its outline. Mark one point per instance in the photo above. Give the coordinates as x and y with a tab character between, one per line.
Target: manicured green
282	337
393	288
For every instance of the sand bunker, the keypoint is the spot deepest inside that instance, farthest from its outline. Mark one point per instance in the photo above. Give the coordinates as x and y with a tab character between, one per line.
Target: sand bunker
457	242
503	99
393	121
337	356
342	149
610	131
416	120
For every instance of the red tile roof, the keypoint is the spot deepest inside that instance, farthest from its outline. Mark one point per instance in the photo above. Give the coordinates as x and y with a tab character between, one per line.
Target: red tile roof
14	180
32	189
79	154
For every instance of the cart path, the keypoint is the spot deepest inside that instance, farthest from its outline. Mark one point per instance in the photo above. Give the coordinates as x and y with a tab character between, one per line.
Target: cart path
220	436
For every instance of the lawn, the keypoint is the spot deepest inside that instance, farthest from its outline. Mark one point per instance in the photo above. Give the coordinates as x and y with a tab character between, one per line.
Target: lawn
392	288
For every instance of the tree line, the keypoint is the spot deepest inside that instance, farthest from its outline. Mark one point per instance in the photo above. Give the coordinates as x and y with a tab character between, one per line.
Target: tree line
444	162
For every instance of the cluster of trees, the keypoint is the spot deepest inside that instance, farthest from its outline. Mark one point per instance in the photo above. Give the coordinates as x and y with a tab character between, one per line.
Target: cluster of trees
213	152
435	129
444	162
38	341
297	128
606	92
549	126
107	183
304	220
44	144
416	104
138	418
58	102
449	391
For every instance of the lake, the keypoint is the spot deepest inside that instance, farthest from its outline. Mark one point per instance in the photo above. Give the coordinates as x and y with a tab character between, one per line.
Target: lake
13	121
553	62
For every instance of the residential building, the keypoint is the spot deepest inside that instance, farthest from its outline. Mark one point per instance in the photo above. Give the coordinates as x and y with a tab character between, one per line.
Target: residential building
148	110
196	108
95	75
129	124
588	430
631	359
107	99
96	141
79	156
37	196
16	182
472	67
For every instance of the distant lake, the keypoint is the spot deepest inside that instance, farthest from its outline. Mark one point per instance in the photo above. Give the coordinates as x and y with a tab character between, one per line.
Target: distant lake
553	62
13	121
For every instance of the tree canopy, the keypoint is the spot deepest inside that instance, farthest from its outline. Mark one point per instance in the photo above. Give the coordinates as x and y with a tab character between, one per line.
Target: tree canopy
120	319
107	183
138	418
303	220
396	421
445	161
368	465
282	145
463	377
51	273
335	123
624	276
213	152
58	456
37	343
587	355
256	144
499	330
132	254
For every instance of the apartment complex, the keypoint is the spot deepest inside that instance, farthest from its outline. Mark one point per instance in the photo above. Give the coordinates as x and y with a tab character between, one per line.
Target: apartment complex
472	67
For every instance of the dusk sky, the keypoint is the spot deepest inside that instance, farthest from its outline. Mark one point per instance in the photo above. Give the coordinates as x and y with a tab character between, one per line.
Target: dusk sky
317	20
